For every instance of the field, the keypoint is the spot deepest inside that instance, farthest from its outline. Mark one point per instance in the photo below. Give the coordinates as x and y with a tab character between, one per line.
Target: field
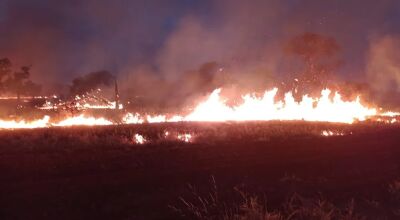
213	170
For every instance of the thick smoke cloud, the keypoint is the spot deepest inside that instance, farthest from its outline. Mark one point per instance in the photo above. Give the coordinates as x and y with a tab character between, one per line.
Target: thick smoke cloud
384	69
384	63
87	83
62	39
247	39
158	48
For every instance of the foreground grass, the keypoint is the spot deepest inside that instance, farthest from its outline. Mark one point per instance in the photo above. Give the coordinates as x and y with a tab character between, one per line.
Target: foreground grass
242	205
202	133
286	170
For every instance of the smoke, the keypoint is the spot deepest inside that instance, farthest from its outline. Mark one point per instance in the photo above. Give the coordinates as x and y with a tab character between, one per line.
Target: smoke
247	40
383	69
62	39
384	63
239	42
88	83
167	51
201	54
148	84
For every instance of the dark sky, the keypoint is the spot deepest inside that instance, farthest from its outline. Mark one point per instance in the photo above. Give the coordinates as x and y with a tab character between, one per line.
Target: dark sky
65	38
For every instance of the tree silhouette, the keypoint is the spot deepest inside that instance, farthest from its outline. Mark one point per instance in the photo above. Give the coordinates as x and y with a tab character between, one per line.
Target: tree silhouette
5	71
16	82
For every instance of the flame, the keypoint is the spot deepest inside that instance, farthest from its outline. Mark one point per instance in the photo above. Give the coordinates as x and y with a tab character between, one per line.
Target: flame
265	108
156	119
110	105
215	109
81	103
185	137
41	123
139	139
331	133
26	97
390	114
82	120
45	122
131	118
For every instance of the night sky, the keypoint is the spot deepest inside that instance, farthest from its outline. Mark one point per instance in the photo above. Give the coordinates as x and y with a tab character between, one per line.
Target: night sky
66	38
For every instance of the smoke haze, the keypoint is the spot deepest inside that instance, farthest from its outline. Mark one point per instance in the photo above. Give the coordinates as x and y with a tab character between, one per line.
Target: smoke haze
159	48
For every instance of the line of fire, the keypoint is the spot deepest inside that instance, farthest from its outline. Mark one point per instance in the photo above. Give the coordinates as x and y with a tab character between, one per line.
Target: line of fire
95	99
200	109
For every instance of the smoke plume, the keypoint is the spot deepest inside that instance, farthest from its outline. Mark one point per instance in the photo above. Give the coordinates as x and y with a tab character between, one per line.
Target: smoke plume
90	82
384	63
158	49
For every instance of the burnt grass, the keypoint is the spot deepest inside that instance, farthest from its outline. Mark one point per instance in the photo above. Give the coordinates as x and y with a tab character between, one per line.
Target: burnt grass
100	173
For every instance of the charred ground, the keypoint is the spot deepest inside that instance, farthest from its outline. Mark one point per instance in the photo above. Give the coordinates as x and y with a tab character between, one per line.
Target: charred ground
100	173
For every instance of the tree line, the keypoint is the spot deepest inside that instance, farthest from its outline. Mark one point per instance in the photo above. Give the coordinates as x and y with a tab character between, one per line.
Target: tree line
17	81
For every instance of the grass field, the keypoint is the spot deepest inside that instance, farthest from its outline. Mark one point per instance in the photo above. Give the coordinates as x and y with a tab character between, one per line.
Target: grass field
253	170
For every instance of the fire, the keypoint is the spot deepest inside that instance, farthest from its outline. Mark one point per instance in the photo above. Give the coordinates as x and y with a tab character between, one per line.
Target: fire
26	97
156	119
130	118
185	137
82	103
45	122
390	114
331	133
110	105
139	139
265	108
214	109
41	123
82	120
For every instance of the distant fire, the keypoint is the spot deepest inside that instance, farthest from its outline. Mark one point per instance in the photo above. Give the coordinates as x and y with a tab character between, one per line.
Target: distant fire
11	124
82	120
215	109
25	97
265	108
331	133
139	139
185	137
81	103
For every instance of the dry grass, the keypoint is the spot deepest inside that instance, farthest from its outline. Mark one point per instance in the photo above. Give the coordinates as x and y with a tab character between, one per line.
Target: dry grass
394	190
249	206
271	158
203	133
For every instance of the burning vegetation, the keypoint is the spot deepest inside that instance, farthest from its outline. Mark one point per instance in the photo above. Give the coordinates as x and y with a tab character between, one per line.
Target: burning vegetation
113	109
204	95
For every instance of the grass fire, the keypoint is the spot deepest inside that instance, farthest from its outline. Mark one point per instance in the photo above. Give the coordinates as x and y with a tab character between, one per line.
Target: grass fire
202	110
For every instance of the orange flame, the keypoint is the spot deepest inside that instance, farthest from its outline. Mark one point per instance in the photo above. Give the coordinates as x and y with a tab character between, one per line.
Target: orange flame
41	123
253	108
265	108
82	120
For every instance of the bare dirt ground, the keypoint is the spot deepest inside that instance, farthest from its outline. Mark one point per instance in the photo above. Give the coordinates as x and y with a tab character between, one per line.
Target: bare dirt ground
99	173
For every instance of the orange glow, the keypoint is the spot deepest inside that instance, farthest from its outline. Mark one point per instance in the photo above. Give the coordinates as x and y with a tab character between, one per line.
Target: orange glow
331	133
266	108
82	102
185	137
82	120
215	109
12	124
139	139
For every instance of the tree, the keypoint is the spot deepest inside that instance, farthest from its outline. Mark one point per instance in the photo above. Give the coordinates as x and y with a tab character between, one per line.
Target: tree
16	82
5	71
